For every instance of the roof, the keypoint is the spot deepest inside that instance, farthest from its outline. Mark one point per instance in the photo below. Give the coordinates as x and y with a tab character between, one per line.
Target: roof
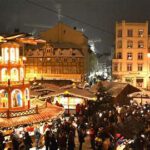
113	88
82	93
50	112
141	94
65	45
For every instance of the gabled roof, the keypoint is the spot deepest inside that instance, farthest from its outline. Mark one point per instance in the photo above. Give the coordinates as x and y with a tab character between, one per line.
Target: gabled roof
114	88
82	93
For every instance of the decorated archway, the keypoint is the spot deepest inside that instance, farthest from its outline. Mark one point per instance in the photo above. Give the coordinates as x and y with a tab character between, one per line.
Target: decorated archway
14	74
4	74
16	98
3	99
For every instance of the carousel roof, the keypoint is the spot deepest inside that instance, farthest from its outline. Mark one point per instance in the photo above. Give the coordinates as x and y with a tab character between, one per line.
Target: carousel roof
22	38
82	93
50	112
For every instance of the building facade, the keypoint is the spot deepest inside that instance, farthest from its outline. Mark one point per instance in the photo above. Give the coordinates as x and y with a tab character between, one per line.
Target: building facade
131	62
64	56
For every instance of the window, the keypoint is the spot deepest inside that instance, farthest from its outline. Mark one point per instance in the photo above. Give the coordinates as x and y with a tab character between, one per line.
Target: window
139	82
129	80
140	56
140	33
115	67
129	44
129	56
119	55
140	44
119	33
119	44
140	67
129	32
129	67
120	66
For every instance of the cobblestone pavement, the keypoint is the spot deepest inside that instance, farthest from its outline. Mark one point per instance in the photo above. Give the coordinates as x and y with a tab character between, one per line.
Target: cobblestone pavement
86	144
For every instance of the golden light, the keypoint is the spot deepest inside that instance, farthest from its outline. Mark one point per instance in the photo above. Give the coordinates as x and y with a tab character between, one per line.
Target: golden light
24	58
148	55
66	92
1	38
94	98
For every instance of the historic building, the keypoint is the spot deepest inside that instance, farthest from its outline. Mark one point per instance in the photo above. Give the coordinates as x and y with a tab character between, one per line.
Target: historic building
64	56
131	62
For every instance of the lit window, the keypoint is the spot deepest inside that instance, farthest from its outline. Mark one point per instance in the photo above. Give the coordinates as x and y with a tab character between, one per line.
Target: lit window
129	56
139	82
129	44
115	67
5	54
119	55
140	44
119	33
140	67
129	80
120	66
12	55
14	74
141	33
119	44
129	67
140	56
129	32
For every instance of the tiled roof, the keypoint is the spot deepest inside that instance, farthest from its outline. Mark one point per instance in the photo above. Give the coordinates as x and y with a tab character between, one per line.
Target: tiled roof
44	114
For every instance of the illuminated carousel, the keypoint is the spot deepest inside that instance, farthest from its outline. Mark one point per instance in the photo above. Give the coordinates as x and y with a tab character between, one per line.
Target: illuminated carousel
15	106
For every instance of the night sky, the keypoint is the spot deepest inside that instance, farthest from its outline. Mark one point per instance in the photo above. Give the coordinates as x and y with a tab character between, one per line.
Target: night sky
96	17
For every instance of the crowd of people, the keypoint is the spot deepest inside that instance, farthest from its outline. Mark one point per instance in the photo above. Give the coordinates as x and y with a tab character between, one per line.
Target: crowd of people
108	126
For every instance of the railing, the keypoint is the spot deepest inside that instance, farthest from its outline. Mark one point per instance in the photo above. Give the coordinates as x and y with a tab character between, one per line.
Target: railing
12	114
14	83
19	62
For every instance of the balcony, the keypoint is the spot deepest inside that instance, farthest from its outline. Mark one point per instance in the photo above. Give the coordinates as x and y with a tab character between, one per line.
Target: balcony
11	63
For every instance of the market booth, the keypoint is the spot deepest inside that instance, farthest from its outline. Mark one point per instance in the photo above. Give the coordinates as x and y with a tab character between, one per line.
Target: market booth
142	97
69	98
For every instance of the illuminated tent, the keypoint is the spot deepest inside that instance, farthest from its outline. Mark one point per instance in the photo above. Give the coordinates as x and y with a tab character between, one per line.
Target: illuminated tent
69	98
140	97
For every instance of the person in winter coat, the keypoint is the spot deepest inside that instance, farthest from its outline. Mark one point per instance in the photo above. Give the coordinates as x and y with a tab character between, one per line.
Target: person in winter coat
37	136
81	136
15	141
71	143
2	145
47	140
53	143
27	141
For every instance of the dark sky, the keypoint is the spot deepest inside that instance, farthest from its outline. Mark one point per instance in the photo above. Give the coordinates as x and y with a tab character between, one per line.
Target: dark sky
96	17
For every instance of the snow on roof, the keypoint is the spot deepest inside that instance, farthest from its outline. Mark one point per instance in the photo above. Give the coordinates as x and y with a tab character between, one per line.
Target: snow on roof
113	88
83	93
